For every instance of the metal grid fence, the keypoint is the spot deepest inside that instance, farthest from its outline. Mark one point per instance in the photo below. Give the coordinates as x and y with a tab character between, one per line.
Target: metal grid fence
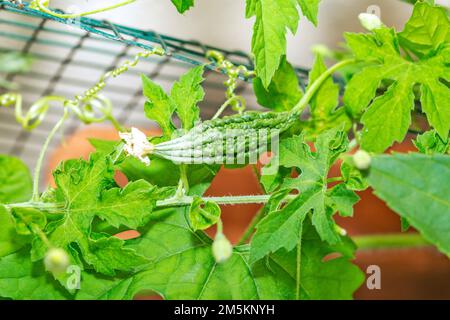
71	55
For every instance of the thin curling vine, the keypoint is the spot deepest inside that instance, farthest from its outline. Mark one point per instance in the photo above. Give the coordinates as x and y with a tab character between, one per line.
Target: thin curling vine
324	150
43	5
83	106
233	72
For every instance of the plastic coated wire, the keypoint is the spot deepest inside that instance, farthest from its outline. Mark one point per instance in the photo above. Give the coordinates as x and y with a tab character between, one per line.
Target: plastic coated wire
191	52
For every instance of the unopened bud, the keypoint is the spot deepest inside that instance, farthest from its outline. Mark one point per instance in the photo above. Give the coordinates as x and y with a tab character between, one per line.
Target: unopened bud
221	248
370	21
56	260
340	231
362	160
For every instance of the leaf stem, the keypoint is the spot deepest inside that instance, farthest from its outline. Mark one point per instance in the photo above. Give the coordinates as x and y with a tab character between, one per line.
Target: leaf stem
251	227
183	177
37	170
390	241
42	6
335	179
187	200
222	108
299	267
35	229
301	105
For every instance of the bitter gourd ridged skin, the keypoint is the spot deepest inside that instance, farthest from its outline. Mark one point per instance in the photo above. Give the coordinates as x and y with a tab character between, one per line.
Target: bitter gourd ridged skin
231	136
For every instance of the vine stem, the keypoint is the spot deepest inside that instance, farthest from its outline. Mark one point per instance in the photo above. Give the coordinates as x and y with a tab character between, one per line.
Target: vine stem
187	200
42	6
249	231
301	105
366	242
299	261
37	169
222	108
35	229
390	241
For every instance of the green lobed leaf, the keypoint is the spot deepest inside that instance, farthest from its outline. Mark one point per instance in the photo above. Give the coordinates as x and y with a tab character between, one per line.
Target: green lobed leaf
88	190
15	186
282	228
15	180
22	279
310	9
159	106
27	217
185	94
324	103
283	92
416	187
426	30
273	17
187	270
182	267
387	117
353	178
10	240
183	5
430	142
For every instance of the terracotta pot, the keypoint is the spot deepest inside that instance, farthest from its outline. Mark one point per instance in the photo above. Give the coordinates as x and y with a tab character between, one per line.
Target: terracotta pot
406	274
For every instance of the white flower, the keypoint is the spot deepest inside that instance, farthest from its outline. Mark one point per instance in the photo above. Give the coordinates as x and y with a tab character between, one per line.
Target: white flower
221	248
137	145
362	160
56	260
370	21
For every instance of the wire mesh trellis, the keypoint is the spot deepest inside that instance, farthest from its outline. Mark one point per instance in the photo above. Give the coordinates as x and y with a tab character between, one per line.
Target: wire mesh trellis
71	55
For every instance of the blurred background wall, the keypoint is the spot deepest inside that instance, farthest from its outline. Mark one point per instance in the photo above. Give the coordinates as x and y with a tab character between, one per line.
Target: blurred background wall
222	22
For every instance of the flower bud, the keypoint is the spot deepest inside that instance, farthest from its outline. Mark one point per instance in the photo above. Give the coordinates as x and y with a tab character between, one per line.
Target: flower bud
340	231
362	160
221	248
370	21
56	260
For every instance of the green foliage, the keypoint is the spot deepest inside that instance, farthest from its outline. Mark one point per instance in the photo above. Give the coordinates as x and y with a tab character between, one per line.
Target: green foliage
430	142
416	187
87	190
386	117
183	5
15	186
324	103
185	95
283	92
273	18
426	30
282	228
15	180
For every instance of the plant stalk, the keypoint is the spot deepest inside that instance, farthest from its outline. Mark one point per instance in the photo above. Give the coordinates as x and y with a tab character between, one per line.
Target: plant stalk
37	170
312	90
249	231
43	8
390	241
